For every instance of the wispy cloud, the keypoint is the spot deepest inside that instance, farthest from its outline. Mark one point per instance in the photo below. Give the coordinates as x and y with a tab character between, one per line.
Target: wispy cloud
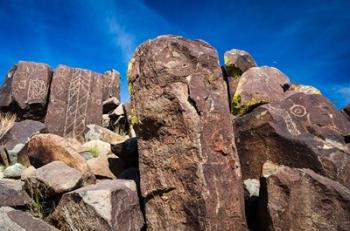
123	40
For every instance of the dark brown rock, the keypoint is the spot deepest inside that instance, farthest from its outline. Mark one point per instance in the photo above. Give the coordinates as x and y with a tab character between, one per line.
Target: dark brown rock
300	199
302	131
111	85
127	151
181	114
109	205
347	110
14	220
75	101
256	86
12	193
25	91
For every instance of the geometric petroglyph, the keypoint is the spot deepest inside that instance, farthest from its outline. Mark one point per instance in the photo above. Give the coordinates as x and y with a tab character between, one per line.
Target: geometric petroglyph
78	98
291	126
298	110
37	89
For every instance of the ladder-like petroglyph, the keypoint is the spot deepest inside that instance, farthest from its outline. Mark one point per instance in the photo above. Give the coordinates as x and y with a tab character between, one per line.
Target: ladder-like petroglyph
77	104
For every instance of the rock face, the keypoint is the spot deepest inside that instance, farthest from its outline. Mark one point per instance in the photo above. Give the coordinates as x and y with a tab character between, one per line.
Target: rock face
181	114
12	193
76	99
302	131
25	91
45	148
14	220
109	205
111	83
256	86
300	199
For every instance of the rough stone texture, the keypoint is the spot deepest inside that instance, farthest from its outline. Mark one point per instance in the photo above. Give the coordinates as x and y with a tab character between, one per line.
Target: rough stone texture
181	114
109	205
95	132
14	171
237	62
14	220
45	148
54	178
294	88
96	148
302	131
106	166
25	91
110	104
256	86
347	110
75	101
300	199
111	85
12	193
18	135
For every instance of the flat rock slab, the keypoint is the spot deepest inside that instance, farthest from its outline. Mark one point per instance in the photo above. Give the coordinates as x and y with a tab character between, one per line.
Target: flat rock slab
300	199
56	178
75	101
26	88
107	206
12	193
302	131
111	85
181	115
14	220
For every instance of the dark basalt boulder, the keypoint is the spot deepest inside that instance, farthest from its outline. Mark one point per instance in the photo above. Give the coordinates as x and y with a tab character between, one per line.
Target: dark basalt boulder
302	131
25	91
181	116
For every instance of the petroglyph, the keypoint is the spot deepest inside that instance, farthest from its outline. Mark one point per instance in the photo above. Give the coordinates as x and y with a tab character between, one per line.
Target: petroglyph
291	126
37	89
78	96
298	110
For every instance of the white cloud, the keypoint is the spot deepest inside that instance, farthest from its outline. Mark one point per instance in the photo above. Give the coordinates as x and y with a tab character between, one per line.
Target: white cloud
123	39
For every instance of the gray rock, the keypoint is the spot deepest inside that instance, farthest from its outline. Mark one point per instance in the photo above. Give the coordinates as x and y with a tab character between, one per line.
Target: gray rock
14	171
12	193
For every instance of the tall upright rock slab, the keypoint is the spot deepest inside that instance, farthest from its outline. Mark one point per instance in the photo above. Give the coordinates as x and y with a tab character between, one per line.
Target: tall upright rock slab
26	88
111	85
75	101
190	172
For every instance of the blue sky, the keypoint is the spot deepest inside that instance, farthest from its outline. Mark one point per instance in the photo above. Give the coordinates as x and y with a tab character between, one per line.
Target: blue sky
307	40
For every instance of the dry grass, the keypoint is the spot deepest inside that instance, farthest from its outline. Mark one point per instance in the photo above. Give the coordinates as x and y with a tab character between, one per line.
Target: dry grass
7	120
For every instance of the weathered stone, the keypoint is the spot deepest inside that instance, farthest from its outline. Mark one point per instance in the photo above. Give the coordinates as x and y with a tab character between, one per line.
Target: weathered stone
14	171
237	62
257	86
346	109
95	132
182	119
110	104
28	172
12	193
252	187
106	166
14	220
302	131
127	151
45	148
15	139
96	148
25	91
109	205
294	88
300	199
111	85
75	101
54	178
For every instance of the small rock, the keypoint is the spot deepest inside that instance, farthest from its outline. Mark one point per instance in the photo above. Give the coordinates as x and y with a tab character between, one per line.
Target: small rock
299	88
237	62
127	151
252	186
14	171
95	132
110	104
96	148
15	220
106	121
106	166
12	193
28	172
108	205
55	177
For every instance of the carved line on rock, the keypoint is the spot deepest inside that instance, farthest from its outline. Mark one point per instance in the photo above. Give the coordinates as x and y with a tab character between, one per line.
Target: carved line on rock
36	89
76	111
291	126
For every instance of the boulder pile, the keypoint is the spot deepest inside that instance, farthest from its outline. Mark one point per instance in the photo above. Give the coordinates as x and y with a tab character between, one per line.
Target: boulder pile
199	147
